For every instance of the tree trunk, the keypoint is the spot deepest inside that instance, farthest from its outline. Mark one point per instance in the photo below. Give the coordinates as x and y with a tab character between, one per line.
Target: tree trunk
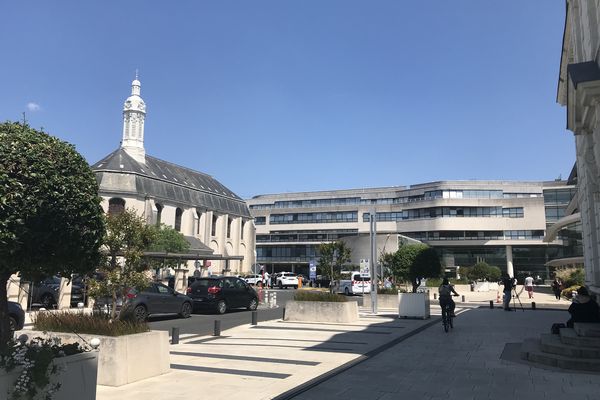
5	333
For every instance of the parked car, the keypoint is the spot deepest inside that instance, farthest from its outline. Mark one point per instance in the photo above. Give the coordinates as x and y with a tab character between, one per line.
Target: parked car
354	282
286	280
154	300
253	279
45	293
171	281
16	316
222	293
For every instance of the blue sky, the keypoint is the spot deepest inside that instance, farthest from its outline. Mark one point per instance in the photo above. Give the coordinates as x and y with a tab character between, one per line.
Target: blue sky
284	96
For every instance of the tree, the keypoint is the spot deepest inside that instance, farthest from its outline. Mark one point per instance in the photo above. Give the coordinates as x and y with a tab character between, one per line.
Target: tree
50	214
414	262
483	271
168	240
127	237
332	257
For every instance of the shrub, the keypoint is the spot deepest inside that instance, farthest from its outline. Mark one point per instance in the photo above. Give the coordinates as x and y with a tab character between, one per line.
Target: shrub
318	296
392	290
571	276
97	324
568	292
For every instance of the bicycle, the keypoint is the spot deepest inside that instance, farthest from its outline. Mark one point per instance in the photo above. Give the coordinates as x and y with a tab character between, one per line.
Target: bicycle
447	318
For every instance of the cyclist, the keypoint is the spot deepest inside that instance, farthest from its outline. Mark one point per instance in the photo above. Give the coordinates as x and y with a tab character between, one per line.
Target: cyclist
445	292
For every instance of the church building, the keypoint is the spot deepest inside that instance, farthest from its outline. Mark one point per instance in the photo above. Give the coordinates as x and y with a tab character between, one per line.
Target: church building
214	220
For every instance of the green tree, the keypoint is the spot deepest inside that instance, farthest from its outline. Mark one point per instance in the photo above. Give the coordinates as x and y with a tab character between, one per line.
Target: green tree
50	214
483	271
168	240
127	237
415	262
331	258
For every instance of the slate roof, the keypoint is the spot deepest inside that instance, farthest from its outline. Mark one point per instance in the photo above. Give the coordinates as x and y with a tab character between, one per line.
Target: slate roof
163	180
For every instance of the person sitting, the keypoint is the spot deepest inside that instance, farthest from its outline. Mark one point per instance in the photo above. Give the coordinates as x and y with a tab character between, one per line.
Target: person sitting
445	291
583	309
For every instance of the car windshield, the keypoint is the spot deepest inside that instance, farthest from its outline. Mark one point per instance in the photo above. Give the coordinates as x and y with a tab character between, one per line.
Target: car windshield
361	278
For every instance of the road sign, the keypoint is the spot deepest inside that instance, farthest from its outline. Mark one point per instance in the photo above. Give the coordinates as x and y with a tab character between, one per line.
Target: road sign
364	266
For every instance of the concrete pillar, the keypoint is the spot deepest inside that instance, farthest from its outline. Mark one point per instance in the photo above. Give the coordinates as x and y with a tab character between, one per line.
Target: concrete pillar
180	280
12	289
509	262
64	294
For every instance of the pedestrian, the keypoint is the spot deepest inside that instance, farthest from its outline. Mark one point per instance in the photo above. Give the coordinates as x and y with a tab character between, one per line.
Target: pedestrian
509	284
556	288
267	278
583	308
529	286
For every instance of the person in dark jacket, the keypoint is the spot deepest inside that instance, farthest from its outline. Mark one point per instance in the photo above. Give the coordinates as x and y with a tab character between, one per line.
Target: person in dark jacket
583	309
556	288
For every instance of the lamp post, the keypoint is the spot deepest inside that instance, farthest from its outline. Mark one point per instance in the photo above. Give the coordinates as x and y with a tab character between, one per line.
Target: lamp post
373	236
381	254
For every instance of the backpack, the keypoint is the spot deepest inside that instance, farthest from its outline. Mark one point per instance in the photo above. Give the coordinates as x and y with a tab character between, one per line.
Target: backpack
445	290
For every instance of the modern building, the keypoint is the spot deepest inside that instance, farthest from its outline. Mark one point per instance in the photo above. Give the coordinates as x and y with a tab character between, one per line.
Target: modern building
579	92
500	222
215	221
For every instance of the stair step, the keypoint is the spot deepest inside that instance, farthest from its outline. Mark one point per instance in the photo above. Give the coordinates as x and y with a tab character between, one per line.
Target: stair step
569	336
531	351
552	344
587	329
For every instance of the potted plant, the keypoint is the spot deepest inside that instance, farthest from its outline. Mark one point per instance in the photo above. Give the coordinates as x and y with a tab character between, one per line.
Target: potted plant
320	307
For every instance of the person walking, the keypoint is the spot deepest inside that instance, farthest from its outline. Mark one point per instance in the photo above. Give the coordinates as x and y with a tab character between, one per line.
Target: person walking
556	288
529	286
508	284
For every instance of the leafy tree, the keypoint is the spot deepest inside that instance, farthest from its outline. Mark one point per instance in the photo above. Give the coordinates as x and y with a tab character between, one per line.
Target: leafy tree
494	273
415	262
168	240
127	237
332	257
50	214
483	271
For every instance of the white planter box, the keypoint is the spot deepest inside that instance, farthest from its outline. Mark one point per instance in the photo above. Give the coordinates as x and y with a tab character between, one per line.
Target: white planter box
413	305
321	311
125	359
77	376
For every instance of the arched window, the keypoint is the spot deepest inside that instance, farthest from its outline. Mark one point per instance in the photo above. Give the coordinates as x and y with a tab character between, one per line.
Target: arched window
178	214
116	206
199	217
159	209
213	228
243	224
229	221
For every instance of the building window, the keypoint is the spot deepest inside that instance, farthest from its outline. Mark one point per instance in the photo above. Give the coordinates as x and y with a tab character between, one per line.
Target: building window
199	217
260	220
243	224
213	228
116	206
178	214
229	221
159	209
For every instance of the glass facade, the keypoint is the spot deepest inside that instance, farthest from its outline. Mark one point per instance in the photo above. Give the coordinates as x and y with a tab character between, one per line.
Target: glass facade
448	212
556	202
476	235
313	218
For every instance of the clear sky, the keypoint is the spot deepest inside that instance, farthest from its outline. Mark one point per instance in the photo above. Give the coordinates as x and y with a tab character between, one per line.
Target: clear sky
285	96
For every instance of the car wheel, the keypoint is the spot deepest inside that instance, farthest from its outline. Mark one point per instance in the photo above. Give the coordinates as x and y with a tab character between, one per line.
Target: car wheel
347	292
140	313
12	323
280	285
186	310
47	301
221	307
253	304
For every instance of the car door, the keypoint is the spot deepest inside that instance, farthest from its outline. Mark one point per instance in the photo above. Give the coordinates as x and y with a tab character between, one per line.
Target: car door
152	299
171	302
246	293
230	292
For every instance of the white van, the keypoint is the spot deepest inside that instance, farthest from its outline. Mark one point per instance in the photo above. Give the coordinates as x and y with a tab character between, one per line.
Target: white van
353	282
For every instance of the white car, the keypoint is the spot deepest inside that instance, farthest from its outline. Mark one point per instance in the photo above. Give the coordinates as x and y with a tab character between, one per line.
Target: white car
253	279
287	279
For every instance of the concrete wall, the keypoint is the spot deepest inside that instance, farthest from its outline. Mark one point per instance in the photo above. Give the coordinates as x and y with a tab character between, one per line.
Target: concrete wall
316	311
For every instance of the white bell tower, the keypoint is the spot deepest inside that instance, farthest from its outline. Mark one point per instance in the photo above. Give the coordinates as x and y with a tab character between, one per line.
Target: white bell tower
134	114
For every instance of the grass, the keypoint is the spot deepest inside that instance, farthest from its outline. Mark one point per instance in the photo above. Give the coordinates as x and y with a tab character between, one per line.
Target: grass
96	324
319	296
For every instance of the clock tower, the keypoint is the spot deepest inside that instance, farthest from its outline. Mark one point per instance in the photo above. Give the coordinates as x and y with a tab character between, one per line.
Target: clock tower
134	114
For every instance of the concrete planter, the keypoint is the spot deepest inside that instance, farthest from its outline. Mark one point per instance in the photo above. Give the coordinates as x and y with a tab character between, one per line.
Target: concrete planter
125	359
321	311
413	305
383	301
77	376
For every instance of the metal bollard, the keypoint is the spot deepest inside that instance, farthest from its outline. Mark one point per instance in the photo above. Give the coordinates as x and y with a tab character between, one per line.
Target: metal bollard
435	296
491	303
463	298
274	299
174	335
217	330
254	318
533	305
283	317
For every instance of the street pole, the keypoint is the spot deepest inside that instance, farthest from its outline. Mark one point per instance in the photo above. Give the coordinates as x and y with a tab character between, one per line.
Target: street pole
373	265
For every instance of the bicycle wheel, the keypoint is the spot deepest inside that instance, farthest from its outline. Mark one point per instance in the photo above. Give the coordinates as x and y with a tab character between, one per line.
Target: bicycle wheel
451	321
445	317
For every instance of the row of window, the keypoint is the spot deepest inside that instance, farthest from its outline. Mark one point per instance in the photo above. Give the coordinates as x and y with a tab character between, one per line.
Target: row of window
287	253
558	196
309	218
305	237
477	235
446	212
430	195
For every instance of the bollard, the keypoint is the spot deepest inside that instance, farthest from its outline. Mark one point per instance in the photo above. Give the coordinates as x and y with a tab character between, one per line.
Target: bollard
174	335
533	305
275	299
491	303
463	298
254	318
283	318
435	296
217	330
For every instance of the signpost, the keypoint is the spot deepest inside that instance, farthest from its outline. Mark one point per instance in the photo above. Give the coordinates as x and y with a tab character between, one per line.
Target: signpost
312	270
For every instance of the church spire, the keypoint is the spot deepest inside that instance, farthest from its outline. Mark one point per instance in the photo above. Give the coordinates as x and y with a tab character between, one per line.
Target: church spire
134	114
